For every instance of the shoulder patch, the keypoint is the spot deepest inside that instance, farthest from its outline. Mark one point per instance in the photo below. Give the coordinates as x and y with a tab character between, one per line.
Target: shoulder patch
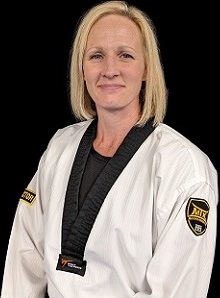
197	211
28	196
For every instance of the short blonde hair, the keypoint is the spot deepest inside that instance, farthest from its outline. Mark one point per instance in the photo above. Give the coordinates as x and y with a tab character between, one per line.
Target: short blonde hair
153	94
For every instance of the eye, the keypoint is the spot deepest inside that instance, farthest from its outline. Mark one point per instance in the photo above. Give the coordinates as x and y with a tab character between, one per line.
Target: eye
126	56
96	56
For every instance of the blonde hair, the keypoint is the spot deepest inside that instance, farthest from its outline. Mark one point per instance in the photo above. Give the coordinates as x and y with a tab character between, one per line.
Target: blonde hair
153	94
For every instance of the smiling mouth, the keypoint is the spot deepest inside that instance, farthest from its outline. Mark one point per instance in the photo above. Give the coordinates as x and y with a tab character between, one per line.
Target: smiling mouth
111	87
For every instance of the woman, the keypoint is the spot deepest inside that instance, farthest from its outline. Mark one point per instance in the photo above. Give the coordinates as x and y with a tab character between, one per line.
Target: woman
121	205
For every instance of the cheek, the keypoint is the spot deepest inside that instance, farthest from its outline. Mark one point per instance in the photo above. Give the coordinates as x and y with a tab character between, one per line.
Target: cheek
136	72
90	75
90	72
136	76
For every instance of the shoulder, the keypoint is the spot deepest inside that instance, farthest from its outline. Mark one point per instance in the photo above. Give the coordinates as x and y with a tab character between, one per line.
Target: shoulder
71	130
170	140
70	134
63	145
177	154
66	139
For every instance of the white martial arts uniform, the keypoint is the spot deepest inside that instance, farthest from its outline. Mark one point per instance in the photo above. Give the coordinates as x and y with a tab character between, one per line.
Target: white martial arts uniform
154	235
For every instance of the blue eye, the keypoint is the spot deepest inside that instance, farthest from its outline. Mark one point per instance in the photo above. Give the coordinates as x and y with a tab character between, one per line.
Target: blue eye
126	55
96	56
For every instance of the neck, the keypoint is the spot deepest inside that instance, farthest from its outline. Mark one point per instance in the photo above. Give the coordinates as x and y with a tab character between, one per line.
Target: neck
110	135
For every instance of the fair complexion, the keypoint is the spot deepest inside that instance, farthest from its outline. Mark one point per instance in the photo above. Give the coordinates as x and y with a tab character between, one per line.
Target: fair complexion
114	69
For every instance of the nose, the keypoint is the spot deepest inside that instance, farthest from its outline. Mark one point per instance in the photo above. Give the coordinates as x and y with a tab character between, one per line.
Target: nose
110	67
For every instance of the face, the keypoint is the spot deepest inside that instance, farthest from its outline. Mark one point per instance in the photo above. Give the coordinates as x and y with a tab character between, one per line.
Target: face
114	65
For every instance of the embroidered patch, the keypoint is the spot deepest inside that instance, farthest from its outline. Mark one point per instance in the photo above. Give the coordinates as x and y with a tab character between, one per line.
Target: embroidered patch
197	211
71	264
28	196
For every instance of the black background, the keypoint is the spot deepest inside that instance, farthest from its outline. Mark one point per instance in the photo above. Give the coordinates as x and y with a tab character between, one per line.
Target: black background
36	41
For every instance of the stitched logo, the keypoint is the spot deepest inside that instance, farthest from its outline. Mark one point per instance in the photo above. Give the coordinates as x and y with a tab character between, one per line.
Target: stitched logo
197	211
65	262
71	264
28	196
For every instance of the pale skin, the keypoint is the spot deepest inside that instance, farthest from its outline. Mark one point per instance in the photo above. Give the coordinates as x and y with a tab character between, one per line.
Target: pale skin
114	69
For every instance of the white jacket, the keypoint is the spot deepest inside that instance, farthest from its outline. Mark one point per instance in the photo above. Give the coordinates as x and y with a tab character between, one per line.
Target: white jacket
154	235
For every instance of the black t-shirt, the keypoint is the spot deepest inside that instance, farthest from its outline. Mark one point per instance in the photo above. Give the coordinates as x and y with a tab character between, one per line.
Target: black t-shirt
95	164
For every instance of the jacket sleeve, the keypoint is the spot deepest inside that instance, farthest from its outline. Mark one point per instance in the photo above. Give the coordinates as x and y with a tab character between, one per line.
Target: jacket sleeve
23	273
182	260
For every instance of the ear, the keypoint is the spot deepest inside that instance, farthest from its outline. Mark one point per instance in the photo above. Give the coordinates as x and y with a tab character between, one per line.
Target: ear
144	77
84	78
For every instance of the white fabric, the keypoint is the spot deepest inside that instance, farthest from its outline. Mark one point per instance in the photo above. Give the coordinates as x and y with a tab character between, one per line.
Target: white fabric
140	245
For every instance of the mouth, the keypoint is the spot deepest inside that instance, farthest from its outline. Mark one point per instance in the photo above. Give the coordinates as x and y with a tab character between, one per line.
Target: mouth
110	87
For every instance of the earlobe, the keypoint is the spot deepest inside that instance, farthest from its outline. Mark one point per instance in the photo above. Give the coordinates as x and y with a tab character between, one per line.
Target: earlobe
144	75
144	78
84	78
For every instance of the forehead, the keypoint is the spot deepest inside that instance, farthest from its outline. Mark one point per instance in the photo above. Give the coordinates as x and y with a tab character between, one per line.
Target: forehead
114	25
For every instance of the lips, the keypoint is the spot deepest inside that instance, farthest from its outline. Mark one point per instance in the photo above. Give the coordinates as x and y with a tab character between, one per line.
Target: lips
111	87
